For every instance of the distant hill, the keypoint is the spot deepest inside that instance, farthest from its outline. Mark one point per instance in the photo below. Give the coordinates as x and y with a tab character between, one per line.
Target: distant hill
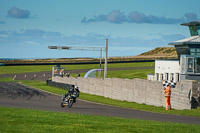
159	53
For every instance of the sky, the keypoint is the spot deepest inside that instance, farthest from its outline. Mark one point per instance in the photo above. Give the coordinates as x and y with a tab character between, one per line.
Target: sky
28	27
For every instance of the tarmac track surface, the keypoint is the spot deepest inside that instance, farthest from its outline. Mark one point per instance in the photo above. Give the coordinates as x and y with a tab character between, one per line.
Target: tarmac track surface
13	94
48	74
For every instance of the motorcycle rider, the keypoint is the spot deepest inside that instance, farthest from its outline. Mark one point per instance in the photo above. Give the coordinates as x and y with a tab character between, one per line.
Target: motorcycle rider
73	91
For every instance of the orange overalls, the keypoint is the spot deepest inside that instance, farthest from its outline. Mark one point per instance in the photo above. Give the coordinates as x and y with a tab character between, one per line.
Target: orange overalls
55	71
167	92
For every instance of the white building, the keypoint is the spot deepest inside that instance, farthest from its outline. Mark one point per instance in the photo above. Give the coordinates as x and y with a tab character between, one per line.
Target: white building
167	70
187	67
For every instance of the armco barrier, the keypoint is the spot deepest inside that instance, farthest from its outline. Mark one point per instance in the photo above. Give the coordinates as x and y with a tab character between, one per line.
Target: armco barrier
59	85
186	95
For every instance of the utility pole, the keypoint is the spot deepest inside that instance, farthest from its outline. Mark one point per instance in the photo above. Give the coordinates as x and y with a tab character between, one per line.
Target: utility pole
106	59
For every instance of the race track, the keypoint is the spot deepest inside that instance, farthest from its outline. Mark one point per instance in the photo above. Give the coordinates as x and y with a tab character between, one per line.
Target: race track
43	76
13	94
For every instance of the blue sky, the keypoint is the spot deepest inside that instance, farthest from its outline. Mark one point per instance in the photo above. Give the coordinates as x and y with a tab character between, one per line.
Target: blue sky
27	27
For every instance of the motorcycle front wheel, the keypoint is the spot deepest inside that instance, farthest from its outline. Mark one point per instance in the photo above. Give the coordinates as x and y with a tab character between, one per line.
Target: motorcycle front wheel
62	104
70	102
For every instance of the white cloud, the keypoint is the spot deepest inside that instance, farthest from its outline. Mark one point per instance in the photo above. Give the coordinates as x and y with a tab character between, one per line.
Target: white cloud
115	16
190	16
15	12
118	17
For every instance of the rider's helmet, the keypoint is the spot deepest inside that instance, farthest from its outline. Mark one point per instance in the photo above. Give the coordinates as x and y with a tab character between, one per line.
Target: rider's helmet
76	87
76	91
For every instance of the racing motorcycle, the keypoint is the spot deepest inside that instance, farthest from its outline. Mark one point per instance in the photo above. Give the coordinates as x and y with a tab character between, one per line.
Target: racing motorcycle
69	98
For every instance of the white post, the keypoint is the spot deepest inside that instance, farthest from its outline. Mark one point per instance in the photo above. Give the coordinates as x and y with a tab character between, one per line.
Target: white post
106	56
100	56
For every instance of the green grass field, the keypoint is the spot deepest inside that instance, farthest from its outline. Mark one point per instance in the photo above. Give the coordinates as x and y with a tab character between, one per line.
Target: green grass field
130	74
35	121
40	68
125	74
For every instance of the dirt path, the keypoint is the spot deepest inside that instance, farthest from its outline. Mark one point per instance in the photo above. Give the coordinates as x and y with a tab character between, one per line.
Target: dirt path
13	94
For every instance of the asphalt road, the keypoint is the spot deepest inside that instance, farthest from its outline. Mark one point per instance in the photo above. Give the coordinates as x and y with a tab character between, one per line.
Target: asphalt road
43	76
13	94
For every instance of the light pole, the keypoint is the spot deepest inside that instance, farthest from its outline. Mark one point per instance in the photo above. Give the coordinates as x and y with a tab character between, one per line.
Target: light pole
106	59
88	49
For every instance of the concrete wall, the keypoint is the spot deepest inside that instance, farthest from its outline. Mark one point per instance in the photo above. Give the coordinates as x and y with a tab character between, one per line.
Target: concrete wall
137	90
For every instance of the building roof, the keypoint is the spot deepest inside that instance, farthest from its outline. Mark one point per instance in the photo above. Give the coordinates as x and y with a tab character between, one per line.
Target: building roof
190	40
193	23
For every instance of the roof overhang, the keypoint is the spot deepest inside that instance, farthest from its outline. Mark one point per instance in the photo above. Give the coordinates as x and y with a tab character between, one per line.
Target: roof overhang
191	40
193	23
183	43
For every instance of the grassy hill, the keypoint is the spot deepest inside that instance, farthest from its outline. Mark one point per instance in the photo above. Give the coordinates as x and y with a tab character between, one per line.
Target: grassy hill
160	53
157	53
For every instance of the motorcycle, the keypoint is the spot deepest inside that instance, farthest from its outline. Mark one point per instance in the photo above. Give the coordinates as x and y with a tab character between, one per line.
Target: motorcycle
69	98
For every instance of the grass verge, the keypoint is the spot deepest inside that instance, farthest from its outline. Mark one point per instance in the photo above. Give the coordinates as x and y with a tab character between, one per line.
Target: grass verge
130	74
27	120
124	74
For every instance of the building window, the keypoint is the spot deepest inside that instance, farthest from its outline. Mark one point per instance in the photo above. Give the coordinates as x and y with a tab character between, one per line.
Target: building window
157	76
197	65
194	30
194	51
161	78
198	51
198	30
166	76
190	64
